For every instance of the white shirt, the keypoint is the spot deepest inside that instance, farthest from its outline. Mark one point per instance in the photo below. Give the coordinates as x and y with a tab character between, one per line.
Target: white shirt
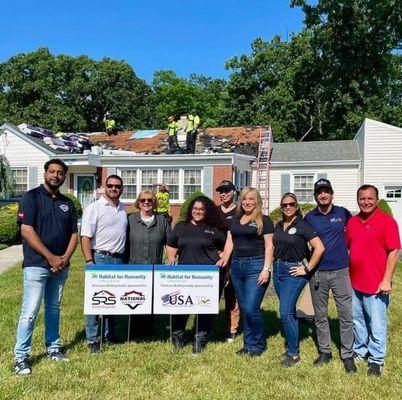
106	225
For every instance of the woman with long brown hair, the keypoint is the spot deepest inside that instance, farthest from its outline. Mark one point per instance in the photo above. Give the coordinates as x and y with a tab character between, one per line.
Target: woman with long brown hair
250	240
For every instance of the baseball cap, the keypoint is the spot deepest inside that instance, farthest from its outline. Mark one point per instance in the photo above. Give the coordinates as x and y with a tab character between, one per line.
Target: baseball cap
225	185
322	183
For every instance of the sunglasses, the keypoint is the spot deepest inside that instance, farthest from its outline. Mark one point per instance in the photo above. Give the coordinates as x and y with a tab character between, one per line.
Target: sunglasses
146	201
111	186
286	205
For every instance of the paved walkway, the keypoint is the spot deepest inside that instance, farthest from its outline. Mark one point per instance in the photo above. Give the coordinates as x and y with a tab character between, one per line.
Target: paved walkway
10	256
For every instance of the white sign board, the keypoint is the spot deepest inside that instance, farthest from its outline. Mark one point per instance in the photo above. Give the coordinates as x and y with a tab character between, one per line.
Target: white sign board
118	289
186	289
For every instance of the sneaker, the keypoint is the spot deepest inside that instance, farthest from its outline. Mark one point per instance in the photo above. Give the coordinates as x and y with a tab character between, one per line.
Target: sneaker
94	347
22	367
349	364
323	358
359	358
289	361
198	347
177	342
231	338
57	356
242	352
374	370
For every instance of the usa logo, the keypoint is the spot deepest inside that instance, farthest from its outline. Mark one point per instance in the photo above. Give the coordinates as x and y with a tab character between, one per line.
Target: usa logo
64	207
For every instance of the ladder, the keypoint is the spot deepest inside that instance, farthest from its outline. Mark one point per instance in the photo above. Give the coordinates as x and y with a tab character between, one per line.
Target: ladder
263	161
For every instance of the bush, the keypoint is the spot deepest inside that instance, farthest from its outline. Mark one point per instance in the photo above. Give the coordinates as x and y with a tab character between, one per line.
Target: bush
384	206
276	215
184	207
9	229
77	204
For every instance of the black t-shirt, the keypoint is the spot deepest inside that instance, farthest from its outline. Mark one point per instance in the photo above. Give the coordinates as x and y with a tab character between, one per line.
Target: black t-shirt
227	217
246	241
54	219
197	244
292	244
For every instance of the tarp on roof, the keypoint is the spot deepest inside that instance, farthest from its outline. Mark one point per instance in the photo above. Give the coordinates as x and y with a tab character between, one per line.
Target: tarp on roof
147	133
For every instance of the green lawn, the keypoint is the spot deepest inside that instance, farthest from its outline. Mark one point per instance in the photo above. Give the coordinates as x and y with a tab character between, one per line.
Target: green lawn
150	369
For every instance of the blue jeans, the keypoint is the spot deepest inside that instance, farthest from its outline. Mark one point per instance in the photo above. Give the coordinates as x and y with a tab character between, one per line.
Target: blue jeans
288	289
245	272
370	325
92	321
40	283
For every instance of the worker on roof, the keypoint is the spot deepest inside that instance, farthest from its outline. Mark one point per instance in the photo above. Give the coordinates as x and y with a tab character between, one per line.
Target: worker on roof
163	197
110	124
193	121
173	127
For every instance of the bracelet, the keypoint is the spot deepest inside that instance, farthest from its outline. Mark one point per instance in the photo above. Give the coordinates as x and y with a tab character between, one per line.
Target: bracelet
267	269
306	270
90	260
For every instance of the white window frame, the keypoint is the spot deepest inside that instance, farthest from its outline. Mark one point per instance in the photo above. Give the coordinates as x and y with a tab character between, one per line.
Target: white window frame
13	168
136	182
303	173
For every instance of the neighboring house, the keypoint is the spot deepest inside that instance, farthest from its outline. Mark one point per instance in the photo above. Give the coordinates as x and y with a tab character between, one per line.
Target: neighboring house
373	156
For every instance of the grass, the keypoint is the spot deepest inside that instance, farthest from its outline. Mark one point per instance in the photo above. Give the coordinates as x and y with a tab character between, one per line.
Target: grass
151	369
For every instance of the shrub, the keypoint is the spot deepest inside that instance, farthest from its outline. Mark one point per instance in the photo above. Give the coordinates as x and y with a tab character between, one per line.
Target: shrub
276	215
9	229
184	207
77	204
384	206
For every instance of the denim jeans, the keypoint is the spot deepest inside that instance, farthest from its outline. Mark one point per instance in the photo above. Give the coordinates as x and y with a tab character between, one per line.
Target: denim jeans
92	321
245	272
370	325
40	283
288	289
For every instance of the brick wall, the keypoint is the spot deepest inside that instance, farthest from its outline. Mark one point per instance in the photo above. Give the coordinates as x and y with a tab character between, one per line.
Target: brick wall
221	172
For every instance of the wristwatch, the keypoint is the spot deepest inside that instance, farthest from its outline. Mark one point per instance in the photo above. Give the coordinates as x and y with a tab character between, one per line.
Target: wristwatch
267	269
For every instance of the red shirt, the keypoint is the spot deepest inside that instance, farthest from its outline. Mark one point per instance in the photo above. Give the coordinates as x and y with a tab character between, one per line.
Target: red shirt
369	243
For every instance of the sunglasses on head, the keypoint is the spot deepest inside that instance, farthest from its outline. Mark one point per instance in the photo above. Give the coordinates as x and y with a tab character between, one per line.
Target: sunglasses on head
146	200
285	205
111	186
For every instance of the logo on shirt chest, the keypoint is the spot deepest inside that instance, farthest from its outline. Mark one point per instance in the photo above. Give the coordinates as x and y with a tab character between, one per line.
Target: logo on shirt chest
292	231
209	231
332	220
64	207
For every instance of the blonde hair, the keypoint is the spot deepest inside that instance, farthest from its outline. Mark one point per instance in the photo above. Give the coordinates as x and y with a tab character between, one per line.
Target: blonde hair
294	198
257	215
154	199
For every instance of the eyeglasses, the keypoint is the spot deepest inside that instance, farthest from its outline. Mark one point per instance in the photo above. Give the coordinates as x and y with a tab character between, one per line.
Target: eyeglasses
146	200
111	186
198	209
286	205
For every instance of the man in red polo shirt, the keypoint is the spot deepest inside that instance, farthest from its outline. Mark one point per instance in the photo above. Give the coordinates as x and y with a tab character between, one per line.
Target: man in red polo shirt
374	244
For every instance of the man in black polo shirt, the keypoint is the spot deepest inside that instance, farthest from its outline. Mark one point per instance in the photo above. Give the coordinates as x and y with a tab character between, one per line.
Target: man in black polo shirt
48	223
329	221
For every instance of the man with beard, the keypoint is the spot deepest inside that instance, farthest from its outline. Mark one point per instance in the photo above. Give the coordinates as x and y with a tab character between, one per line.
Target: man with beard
103	238
48	223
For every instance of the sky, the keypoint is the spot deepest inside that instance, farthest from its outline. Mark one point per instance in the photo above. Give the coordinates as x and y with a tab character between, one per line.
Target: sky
186	36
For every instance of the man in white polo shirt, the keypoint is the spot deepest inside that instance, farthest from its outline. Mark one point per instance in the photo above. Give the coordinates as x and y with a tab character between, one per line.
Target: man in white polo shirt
103	237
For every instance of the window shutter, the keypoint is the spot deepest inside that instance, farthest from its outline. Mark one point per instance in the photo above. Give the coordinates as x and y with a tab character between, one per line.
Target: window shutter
32	177
111	171
321	176
207	189
285	183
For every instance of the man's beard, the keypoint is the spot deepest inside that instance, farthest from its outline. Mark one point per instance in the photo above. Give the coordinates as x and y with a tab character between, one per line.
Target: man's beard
54	186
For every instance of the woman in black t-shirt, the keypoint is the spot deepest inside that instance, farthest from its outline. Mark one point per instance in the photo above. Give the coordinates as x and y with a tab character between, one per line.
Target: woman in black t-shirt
196	241
291	239
250	240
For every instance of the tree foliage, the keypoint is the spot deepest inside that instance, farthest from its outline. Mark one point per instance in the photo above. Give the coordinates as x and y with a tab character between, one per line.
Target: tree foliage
71	93
7	181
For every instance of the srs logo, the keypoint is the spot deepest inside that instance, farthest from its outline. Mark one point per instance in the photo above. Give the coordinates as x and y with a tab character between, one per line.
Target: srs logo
64	207
103	297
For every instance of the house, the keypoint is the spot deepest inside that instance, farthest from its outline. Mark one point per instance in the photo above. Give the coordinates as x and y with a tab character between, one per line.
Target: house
373	156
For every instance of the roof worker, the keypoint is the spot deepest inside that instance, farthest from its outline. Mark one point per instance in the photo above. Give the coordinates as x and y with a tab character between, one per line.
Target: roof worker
110	124
173	127
163	197
193	122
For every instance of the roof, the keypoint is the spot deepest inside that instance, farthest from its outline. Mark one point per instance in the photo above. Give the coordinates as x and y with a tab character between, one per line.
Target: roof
211	139
332	150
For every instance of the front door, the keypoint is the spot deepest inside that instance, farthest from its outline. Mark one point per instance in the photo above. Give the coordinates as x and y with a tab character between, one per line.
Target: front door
85	190
393	195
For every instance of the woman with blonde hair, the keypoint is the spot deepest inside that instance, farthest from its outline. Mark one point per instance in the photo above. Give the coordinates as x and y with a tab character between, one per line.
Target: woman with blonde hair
250	240
293	263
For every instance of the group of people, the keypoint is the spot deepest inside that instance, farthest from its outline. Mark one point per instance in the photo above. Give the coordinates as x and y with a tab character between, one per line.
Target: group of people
191	129
354	257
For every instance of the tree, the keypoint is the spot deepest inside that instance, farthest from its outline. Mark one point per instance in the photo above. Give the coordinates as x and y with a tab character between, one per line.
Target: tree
71	93
7	181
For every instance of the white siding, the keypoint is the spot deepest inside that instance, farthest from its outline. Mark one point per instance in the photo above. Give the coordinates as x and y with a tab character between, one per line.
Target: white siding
20	153
382	154
344	179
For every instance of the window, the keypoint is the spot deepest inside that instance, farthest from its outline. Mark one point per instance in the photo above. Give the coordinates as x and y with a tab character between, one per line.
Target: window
303	187
21	181
192	181
171	178
149	178
129	177
393	192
